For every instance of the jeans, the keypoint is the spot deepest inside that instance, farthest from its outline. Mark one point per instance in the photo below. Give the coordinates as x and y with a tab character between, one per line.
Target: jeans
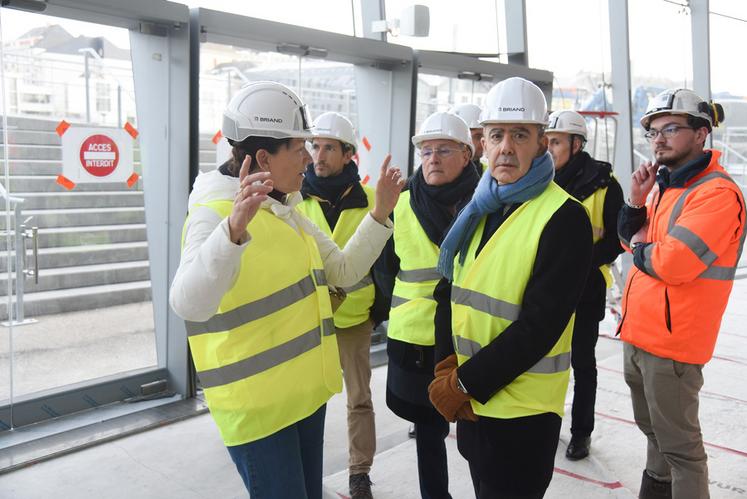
287	463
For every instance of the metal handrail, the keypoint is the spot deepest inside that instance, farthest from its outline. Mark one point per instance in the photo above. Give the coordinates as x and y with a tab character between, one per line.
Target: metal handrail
21	233
731	150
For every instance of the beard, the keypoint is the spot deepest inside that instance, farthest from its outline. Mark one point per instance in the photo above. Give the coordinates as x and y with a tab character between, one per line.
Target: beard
670	158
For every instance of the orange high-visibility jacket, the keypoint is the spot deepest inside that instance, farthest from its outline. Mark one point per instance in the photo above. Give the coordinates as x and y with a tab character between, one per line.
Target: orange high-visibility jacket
674	308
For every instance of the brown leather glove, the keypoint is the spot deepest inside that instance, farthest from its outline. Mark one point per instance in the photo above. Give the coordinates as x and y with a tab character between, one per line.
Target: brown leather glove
445	367
446	397
466	413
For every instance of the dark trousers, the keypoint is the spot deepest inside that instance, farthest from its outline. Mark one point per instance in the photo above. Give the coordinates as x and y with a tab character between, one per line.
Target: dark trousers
510	458
433	472
485	490
584	362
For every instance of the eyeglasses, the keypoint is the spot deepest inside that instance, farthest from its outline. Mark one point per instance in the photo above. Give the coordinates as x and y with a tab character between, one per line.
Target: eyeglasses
441	152
667	132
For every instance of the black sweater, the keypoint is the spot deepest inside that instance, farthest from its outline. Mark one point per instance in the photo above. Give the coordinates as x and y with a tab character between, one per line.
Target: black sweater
581	178
558	278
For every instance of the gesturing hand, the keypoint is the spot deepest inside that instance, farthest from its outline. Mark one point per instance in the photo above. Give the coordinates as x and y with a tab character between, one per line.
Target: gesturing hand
253	190
387	190
642	182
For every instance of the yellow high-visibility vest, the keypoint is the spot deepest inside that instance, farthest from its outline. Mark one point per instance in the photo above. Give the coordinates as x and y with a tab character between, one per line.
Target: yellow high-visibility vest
356	308
413	306
268	357
486	298
595	207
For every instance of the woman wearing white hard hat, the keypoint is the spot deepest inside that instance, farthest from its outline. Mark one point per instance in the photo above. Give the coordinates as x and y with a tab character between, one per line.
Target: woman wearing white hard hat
515	262
252	286
435	193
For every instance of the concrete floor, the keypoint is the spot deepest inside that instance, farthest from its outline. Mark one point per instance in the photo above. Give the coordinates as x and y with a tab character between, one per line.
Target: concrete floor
187	460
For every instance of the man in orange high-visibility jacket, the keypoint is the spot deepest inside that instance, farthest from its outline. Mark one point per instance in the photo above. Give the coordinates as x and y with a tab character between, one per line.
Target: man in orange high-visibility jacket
686	240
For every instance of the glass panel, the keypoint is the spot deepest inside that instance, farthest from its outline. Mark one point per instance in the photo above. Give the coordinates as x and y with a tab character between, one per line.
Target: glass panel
728	85
579	80
92	303
470	29
332	15
656	62
323	85
440	93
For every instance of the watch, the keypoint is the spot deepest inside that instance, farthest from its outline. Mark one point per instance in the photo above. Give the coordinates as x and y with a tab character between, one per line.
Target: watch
634	206
461	387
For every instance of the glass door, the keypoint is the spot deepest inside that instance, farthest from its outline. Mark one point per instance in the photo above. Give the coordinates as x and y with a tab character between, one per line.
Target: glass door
80	264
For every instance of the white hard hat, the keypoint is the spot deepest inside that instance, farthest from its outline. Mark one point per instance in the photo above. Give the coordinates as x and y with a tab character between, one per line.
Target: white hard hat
443	125
265	109
515	100
567	122
470	113
682	101
334	126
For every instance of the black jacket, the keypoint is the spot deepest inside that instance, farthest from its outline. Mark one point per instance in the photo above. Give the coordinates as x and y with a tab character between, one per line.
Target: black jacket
588	176
410	367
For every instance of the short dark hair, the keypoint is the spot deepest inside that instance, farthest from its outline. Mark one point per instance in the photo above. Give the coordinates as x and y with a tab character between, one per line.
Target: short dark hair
250	146
344	146
697	122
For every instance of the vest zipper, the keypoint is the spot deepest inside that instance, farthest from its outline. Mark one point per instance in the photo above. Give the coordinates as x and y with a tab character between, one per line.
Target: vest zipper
667	313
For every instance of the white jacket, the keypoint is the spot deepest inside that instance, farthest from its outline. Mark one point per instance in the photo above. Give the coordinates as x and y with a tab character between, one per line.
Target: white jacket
210	260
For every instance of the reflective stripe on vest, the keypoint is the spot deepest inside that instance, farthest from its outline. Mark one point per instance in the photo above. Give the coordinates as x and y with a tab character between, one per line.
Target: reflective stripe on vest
273	328
267	359
356	308
694	242
595	206
487	298
546	365
419	275
412	316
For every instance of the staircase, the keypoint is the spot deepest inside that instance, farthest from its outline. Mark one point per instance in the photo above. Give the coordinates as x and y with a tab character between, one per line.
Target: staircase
93	250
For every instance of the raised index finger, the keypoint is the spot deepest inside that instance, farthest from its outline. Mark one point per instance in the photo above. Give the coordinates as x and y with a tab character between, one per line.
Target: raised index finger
385	165
245	167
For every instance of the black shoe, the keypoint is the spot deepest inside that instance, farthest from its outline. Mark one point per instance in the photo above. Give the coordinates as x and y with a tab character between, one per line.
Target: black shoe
411	431
360	486
651	488
578	448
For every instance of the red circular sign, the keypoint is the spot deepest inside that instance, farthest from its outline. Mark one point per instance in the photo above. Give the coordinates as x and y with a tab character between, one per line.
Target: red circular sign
99	155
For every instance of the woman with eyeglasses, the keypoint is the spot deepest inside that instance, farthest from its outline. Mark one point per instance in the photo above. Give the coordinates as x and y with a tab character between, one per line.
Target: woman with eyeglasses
252	286
438	189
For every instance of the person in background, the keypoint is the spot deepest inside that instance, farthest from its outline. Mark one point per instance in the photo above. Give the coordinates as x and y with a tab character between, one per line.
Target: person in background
337	202
438	189
591	182
470	113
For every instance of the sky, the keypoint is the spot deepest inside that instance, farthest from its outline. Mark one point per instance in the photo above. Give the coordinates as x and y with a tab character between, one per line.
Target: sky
659	32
